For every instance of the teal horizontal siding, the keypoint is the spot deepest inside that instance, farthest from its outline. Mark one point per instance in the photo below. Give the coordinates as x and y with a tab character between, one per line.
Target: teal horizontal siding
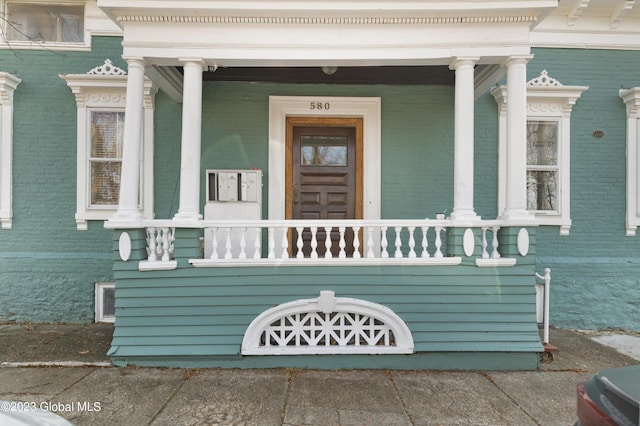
443	311
188	301
389	289
195	312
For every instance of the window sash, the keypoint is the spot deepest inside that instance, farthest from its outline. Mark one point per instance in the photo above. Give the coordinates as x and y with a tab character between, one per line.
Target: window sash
543	191
543	166
105	158
44	23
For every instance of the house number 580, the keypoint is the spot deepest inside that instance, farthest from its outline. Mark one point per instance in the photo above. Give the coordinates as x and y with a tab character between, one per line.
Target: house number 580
319	105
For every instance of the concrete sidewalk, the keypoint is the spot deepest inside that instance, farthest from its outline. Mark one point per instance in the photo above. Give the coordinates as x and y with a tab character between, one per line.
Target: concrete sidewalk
88	393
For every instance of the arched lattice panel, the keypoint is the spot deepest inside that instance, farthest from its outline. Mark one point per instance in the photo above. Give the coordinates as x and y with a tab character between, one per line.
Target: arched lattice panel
327	325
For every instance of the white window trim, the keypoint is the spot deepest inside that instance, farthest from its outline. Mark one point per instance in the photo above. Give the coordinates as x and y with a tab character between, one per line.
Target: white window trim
281	107
39	45
104	89
99	302
547	100
8	84
631	98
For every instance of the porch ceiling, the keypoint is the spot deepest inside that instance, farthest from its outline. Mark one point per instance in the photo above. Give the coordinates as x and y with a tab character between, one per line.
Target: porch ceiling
170	79
391	75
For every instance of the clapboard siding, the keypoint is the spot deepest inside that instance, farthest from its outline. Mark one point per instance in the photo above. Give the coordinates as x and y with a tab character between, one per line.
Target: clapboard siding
204	312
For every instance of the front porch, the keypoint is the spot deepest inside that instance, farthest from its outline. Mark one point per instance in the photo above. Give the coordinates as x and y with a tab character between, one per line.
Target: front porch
457	299
283	289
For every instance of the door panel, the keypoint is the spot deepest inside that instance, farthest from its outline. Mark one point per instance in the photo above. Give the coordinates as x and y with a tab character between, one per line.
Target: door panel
324	175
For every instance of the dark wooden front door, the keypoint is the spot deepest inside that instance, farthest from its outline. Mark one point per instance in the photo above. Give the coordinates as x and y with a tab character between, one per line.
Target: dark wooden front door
325	175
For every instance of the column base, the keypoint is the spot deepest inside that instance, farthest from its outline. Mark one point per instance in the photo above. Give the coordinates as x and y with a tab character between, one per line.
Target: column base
517	215
125	219
464	215
187	217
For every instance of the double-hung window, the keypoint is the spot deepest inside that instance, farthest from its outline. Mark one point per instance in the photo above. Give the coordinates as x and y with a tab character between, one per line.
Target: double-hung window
105	157
42	23
101	100
549	105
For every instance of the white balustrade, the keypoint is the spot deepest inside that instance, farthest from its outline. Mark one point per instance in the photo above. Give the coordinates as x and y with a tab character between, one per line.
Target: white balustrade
306	242
309	241
160	246
494	242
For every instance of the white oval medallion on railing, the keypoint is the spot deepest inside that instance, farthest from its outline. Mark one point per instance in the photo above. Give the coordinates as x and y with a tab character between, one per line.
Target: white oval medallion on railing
523	242
468	242
124	246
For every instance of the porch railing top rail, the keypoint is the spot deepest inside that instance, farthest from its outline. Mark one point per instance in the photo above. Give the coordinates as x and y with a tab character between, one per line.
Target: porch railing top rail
456	223
303	242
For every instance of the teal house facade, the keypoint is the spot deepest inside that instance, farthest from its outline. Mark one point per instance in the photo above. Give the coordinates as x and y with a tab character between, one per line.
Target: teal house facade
404	185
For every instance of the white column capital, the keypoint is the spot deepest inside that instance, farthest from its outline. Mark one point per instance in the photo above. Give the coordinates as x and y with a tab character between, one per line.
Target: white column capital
460	61
135	61
193	62
517	60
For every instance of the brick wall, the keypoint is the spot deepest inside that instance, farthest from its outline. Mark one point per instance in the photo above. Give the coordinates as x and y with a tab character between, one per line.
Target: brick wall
48	268
596	269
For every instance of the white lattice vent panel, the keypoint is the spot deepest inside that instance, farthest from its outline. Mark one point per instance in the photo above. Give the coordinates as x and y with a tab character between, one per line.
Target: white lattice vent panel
327	325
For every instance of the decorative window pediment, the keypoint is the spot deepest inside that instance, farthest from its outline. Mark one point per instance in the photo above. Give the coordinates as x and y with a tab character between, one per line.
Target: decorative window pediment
549	106
8	84
327	325
101	99
631	98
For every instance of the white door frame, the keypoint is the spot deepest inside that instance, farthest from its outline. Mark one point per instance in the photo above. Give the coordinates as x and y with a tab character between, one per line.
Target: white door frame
281	107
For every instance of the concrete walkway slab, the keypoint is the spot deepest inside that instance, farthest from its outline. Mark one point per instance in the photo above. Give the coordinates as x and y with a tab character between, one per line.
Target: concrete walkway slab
344	397
127	396
232	397
549	399
38	384
456	398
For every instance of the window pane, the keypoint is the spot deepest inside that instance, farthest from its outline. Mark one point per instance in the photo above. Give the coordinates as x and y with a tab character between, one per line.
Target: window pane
107	129
109	301
323	150
542	143
105	182
38	22
542	190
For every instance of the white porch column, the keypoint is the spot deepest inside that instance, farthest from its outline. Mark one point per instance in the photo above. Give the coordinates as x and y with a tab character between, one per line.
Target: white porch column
189	208
463	167
516	199
128	203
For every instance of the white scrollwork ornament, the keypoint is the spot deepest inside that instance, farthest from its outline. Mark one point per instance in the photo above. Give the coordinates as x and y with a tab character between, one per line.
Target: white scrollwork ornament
107	69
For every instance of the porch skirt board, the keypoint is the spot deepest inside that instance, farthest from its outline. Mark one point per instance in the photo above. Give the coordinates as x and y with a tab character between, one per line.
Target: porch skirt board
469	361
